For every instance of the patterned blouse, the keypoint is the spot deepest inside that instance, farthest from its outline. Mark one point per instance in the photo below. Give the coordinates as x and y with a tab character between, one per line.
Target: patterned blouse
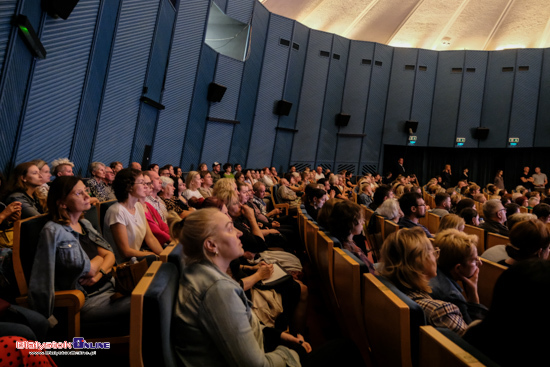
100	190
175	204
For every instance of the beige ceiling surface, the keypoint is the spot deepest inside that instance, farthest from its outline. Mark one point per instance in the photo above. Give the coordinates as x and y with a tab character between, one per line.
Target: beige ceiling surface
430	24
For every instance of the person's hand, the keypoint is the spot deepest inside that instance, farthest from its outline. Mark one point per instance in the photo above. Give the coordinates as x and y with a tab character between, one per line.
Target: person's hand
89	281
470	286
304	344
247	212
12	212
265	271
275	224
273	231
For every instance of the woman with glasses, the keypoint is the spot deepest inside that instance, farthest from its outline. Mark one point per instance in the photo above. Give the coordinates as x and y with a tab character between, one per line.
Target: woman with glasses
125	225
409	261
71	254
158	226
457	273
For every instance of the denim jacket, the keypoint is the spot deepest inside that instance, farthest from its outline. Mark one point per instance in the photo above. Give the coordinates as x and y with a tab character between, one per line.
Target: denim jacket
59	263
213	323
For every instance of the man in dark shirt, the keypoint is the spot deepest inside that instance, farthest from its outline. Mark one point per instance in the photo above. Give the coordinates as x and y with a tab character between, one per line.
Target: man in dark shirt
526	179
494	214
413	207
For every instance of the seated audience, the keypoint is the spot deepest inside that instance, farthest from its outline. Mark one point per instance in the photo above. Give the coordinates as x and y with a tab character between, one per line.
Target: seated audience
62	167
390	210
458	263
542	212
451	221
97	185
365	196
470	216
227	171
316	198
465	203
206	184
193	181
442	204
413	208
116	166
158	226
510	334
410	261
24	181
153	198
125	225
528	239
345	223
71	254
287	195
495	217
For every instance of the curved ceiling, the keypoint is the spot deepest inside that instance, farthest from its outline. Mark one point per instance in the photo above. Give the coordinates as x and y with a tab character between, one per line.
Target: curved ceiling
429	24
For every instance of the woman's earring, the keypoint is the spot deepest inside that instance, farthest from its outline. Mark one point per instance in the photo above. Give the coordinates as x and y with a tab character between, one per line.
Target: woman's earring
216	253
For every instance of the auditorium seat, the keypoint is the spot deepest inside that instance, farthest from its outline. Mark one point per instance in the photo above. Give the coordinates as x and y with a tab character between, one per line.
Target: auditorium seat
433	222
493	239
173	254
489	272
480	233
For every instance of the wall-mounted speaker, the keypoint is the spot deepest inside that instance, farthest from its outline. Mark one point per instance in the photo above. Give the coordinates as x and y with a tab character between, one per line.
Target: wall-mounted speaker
215	92
342	119
480	133
282	107
411	126
59	8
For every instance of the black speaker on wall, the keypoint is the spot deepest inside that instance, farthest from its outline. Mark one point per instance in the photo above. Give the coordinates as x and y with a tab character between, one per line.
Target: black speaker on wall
411	126
59	8
215	92
480	133
282	108
342	119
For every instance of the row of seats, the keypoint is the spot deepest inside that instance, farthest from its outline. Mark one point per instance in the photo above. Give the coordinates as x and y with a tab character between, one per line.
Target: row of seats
385	324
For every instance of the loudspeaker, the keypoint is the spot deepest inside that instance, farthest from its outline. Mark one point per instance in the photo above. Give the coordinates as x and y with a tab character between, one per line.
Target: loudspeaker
215	92
342	119
283	107
480	133
411	126
59	8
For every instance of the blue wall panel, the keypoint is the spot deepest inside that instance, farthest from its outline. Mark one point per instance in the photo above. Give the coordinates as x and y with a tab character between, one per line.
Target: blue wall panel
119	111
154	81
400	96
271	90
312	97
196	127
241	9
250	86
7	11
525	100
446	99
471	97
328	136
216	144
229	74
497	99
56	88
180	81
421	110
81	150
293	86
376	104
542	130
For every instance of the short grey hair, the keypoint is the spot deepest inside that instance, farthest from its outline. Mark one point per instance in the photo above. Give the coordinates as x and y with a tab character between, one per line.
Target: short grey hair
389	208
95	165
165	181
56	164
491	207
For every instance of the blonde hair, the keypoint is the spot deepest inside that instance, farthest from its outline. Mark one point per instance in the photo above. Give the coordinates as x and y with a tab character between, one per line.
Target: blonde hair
197	228
190	176
175	223
451	221
223	184
228	197
456	247
403	255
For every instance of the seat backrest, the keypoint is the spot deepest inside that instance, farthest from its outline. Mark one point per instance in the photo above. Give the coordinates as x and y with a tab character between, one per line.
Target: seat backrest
493	239
433	222
388	323
311	241
368	213
103	207
347	287
152	306
325	262
480	233
26	234
92	215
173	254
443	348
489	272
389	227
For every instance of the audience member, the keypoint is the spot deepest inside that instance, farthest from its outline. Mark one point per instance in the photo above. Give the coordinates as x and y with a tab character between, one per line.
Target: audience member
153	198
528	239
98	186
413	208
470	216
24	181
442	204
62	167
542	212
495	217
206	183
451	221
158	226
215	171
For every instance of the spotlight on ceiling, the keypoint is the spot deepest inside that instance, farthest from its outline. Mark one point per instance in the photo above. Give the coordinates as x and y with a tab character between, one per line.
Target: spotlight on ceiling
446	41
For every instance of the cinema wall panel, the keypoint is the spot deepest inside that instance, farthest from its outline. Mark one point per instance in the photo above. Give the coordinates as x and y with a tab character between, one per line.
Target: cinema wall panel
542	128
421	109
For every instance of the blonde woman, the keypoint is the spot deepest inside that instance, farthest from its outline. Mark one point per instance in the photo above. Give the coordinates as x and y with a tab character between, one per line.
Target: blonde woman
193	181
451	221
410	261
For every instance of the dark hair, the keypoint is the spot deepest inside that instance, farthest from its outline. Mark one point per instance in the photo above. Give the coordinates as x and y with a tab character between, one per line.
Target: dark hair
16	183
60	188
344	216
204	173
238	175
124	180
520	200
379	194
288	176
527	237
505	199
468	214
212	202
511	208
321	181
465	203
440	198
226	166
115	163
151	166
407	201
176	185
541	210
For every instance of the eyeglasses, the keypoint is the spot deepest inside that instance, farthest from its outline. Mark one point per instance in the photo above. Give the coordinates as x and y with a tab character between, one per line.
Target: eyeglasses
82	192
436	252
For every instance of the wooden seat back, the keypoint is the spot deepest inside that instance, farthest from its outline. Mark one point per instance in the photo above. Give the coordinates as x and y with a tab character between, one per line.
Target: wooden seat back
489	272
493	239
480	233
433	222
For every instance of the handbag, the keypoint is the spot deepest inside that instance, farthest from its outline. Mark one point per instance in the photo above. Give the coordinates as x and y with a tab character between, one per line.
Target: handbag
127	275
